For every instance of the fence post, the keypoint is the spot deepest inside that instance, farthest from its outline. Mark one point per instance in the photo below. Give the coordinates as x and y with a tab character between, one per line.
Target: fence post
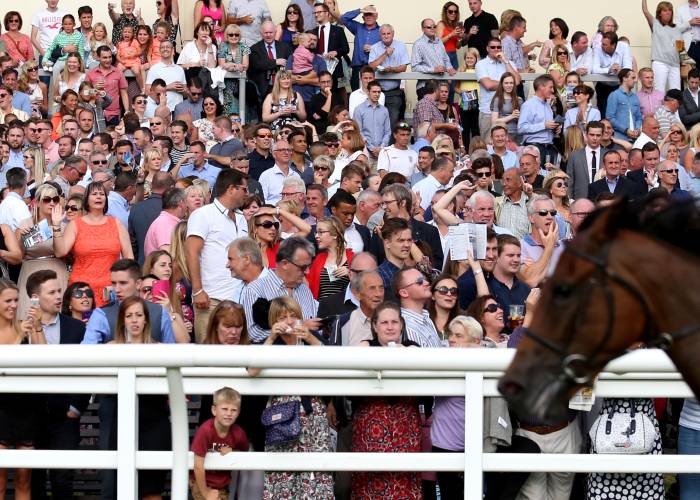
242	99
473	440
127	434
180	434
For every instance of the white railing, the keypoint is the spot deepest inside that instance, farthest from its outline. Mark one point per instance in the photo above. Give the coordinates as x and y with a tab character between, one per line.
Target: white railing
178	370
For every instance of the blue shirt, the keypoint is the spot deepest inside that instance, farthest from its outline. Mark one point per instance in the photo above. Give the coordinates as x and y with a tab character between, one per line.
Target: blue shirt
533	113
387	270
16	159
97	330
694	186
118	208
363	36
624	112
208	172
374	124
398	58
20	100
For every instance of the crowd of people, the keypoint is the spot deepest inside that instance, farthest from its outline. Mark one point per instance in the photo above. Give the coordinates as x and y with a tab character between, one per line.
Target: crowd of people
137	207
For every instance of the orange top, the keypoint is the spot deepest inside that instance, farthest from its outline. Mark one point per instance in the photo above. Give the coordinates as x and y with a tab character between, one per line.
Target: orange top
451	44
96	248
129	52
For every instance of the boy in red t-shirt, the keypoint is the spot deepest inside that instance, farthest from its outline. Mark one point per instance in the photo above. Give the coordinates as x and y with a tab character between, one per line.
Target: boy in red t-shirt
217	434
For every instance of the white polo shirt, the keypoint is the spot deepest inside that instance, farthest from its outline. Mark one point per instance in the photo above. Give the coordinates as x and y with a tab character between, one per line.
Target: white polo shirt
213	224
170	73
272	180
403	161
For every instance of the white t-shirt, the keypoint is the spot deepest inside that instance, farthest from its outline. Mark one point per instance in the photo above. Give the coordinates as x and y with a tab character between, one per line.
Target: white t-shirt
403	161
14	211
170	73
48	24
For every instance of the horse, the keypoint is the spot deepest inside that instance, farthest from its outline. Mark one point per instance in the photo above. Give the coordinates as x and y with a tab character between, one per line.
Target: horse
629	276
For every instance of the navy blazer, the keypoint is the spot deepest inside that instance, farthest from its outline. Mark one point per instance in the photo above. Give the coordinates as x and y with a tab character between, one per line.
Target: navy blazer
420	231
624	187
71	332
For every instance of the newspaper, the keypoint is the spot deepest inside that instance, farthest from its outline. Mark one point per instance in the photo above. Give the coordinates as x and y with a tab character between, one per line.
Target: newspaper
37	234
331	64
467	240
583	400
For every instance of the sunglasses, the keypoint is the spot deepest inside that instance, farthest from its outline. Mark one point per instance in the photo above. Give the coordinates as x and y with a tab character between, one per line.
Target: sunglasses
72	208
443	290
675	131
79	294
33	68
670	171
3	95
233	34
99	162
321	168
268	224
543	213
140	101
195	94
495	47
13	21
147	289
302	267
155	123
452	11
332	144
420	282
562	183
491	308
483	174
49	199
429	27
292	12
562	53
264	136
159	3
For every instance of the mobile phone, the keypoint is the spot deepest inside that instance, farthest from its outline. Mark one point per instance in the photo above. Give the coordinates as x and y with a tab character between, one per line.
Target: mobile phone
34	301
128	157
160	287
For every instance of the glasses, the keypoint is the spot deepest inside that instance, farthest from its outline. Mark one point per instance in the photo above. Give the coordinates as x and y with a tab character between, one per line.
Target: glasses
33	68
287	195
562	184
195	94
420	282
322	232
562	53
4	95
403	125
483	174
159	4
49	199
99	162
268	224
543	213
15	20
321	168
383	204
290	12
72	208
429	27
284	150
452	11
446	290
209	103
147	289
232	35
140	101
676	131
236	130
495	47
332	144
79	294
319	12
155	123
491	308
302	267
28	157
670	171
264	136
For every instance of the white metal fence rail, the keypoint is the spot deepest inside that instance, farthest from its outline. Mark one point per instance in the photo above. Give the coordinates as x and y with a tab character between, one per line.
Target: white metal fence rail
178	370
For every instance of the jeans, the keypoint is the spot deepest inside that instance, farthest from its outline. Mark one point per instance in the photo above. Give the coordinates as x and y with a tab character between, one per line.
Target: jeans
689	444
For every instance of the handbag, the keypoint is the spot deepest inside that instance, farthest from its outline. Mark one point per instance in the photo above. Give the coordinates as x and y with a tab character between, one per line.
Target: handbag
282	422
622	433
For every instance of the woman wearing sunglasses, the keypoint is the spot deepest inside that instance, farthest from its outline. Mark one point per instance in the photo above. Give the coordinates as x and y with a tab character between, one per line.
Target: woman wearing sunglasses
37	252
30	84
35	163
18	45
264	228
74	207
584	111
487	311
78	301
293	24
443	306
233	55
556	185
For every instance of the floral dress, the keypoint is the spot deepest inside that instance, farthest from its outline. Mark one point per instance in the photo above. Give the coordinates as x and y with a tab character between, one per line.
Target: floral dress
314	437
206	132
236	57
283	120
609	486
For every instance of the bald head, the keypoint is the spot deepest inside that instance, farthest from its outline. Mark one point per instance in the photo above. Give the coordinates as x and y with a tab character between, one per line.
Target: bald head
650	126
580	209
267	30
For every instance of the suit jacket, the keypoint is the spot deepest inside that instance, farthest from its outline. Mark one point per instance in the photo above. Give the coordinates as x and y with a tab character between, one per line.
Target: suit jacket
141	216
335	305
336	42
261	66
420	231
688	110
624	187
71	332
577	168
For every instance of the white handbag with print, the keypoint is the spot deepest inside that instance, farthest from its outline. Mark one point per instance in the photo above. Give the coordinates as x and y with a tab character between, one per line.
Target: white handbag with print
623	433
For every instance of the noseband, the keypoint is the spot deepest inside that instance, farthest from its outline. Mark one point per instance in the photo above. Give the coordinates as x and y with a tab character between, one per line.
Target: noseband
651	335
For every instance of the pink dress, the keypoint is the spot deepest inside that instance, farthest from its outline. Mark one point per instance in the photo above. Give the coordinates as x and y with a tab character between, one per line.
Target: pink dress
216	16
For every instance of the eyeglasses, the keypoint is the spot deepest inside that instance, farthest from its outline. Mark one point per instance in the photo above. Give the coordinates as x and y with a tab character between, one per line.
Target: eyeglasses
287	195
491	308
385	203
79	294
447	291
268	224
483	174
562	184
322	232
140	101
302	267
232	35
49	199
670	171
72	208
429	27
99	162
264	136
284	150
420	282
319	12
543	213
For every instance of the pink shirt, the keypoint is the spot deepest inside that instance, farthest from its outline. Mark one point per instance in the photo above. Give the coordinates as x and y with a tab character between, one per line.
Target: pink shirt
160	232
114	82
649	102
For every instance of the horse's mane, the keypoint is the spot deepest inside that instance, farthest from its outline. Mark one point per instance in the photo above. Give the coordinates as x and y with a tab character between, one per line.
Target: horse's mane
676	223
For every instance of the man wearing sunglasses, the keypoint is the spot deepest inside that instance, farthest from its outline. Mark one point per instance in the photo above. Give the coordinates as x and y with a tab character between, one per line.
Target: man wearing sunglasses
667	172
541	248
413	292
193	104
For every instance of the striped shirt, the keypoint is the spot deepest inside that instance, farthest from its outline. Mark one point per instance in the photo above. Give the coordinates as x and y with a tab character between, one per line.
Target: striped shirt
690	415
269	287
420	328
513	215
427	55
63	39
513	50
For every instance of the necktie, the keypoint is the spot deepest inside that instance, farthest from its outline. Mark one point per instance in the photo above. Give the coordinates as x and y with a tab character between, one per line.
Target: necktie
269	52
322	41
594	166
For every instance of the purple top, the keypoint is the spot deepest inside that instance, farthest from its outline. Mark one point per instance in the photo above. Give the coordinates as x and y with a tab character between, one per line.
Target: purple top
447	430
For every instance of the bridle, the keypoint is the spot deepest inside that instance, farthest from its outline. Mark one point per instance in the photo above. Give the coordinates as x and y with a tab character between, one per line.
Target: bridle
652	337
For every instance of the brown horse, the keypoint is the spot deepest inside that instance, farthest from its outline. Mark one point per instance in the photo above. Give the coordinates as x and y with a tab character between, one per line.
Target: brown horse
631	275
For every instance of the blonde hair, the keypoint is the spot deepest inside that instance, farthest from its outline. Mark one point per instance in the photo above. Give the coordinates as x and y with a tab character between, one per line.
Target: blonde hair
41	191
440	138
149	155
337	230
574	140
469	52
39	164
9	285
177	249
81	66
282	305
290	206
226	395
276	86
23	80
471	326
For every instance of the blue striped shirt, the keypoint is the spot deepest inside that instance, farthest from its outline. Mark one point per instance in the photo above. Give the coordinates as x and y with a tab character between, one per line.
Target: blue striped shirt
420	328
270	286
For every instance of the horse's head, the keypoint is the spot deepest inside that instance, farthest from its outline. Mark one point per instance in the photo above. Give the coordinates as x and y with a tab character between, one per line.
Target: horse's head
587	315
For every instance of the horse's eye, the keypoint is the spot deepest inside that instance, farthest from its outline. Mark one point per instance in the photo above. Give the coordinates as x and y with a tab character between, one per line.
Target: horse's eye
562	291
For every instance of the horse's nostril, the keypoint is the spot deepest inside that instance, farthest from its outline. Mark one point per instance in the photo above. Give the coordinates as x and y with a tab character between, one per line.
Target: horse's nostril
510	388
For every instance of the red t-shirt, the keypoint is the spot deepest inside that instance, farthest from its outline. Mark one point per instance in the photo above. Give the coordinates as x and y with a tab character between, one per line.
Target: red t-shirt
207	440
